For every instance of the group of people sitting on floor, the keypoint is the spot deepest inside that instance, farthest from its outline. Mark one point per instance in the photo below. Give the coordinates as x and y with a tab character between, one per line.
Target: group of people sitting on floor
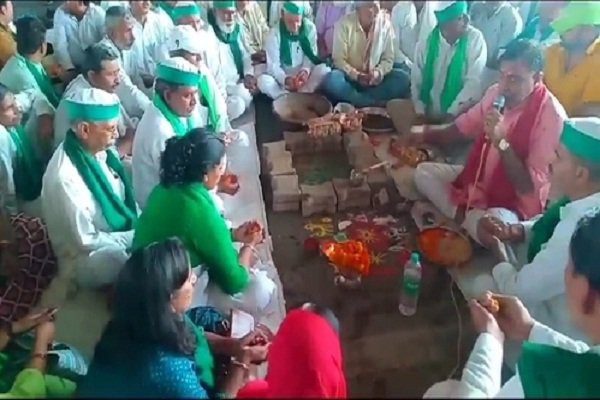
114	181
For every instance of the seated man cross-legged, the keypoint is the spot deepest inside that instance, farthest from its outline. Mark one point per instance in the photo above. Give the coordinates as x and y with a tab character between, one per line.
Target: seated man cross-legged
87	199
363	55
292	61
448	66
506	173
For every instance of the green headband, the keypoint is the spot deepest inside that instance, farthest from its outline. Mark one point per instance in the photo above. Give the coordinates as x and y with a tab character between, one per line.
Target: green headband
293	8
185	11
224	5
92	112
579	144
577	13
451	12
177	76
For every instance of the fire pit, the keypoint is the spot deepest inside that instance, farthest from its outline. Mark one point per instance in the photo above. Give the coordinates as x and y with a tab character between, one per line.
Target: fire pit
294	110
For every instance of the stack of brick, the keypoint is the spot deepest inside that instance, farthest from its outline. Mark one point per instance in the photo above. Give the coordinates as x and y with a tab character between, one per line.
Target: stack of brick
277	164
318	199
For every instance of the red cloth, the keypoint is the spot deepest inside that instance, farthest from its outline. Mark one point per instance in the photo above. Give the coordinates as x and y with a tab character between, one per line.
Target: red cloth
501	193
305	361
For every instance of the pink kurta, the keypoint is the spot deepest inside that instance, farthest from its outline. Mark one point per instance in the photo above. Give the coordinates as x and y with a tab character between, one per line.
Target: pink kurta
544	140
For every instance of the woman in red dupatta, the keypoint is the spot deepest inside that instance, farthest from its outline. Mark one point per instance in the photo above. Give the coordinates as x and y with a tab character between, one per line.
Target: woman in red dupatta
305	359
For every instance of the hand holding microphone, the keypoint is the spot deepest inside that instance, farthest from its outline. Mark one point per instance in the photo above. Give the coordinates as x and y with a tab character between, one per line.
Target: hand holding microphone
493	127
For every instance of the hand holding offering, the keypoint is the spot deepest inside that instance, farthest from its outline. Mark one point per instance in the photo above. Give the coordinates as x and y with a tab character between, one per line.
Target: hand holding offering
229	184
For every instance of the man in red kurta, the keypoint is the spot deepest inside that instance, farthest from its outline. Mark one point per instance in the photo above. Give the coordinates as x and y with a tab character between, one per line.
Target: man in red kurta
506	173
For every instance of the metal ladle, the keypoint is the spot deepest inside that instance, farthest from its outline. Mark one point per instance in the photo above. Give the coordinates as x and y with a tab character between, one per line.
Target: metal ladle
358	177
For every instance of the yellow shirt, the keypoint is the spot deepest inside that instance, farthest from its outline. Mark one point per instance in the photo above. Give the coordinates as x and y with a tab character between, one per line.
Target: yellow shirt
578	86
255	26
8	46
350	46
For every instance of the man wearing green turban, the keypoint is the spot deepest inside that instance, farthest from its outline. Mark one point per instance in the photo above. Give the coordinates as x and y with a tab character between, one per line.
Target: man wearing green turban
446	75
292	61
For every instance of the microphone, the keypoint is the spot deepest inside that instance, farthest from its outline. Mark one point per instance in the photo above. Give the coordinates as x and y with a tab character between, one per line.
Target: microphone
499	104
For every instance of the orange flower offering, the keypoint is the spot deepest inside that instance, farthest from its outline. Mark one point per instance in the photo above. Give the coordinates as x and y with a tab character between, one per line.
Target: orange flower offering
444	247
231	179
254	227
494	306
351	255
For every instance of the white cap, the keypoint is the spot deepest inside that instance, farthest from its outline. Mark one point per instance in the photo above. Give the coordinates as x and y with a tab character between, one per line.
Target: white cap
184	37
91	104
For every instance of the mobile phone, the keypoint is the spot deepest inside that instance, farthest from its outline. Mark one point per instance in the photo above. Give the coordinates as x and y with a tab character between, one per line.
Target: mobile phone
242	324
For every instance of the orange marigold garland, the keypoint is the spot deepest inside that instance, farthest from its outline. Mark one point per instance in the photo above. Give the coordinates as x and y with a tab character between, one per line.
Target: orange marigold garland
352	255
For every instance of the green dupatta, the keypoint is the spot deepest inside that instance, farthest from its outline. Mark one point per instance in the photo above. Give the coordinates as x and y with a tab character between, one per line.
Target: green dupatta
120	215
543	229
549	372
28	170
42	79
286	39
454	76
232	39
175	121
203	357
208	95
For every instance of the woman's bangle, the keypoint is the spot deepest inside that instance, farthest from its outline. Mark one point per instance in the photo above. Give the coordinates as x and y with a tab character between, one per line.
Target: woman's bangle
236	363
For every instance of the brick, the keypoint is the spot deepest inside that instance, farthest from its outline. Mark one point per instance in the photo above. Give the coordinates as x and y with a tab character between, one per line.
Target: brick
281	165
285	189
318	199
349	196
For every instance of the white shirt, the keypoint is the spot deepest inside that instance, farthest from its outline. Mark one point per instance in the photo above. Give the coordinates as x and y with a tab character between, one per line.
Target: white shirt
225	60
275	67
410	28
76	225
33	104
111	3
148	39
133	105
148	144
540	284
499	28
472	90
483	369
72	37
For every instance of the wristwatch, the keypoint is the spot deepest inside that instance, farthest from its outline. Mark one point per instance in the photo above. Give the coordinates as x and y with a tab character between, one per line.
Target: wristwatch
503	145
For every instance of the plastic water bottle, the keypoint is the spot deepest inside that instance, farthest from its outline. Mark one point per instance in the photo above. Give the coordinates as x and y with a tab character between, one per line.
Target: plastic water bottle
411	285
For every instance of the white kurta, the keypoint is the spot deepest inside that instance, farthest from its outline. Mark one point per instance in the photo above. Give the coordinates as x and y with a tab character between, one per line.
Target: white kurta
72	37
146	46
411	27
221	62
32	104
86	249
482	373
272	81
540	284
201	116
133	105
472	90
148	144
